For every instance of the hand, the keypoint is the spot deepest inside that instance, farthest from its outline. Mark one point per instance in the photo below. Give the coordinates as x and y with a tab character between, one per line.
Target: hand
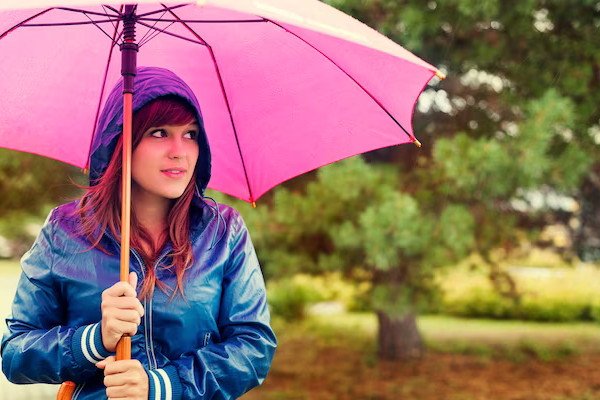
126	379
121	312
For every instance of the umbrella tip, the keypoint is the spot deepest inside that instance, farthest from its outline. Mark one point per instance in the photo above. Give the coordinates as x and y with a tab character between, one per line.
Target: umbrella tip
85	170
253	204
440	74
417	143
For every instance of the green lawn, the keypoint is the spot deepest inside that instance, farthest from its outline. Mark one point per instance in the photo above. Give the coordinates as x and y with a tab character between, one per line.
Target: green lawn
347	341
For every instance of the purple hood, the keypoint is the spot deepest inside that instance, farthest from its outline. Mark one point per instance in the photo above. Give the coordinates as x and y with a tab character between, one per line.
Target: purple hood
150	83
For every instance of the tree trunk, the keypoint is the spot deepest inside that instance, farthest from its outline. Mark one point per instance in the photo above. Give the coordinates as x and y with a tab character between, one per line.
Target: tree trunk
587	237
399	338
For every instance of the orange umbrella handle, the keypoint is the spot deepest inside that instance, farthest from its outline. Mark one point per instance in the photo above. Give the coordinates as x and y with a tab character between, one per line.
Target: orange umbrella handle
66	391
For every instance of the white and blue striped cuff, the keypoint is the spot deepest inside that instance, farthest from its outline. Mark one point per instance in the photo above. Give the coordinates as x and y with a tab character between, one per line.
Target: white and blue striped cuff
87	345
164	384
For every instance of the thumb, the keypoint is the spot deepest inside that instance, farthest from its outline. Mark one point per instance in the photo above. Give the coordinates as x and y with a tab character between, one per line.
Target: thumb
133	278
102	364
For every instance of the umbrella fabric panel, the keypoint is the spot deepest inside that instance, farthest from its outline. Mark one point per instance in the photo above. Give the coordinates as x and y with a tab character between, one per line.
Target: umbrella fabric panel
40	96
319	17
88	4
394	82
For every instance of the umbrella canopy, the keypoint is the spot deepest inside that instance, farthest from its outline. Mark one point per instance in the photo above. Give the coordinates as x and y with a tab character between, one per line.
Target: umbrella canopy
285	86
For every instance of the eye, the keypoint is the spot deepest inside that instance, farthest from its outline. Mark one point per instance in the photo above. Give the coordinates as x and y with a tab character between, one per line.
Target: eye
191	135
159	133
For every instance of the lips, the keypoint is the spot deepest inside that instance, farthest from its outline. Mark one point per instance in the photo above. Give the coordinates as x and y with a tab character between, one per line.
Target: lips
174	172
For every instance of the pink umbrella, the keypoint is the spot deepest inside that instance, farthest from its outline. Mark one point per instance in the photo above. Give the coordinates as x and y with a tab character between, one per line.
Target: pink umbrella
285	86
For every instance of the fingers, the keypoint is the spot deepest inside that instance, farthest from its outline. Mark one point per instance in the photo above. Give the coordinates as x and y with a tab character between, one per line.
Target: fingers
120	289
124	379
118	367
133	278
116	328
122	303
102	364
122	311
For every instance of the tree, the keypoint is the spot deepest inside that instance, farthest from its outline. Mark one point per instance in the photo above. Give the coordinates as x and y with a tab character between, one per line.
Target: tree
29	185
495	131
501	57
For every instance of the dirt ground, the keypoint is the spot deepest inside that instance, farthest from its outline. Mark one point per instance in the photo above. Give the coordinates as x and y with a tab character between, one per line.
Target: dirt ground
305	370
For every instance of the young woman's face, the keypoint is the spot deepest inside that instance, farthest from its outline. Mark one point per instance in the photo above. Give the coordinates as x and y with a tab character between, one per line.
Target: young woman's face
163	162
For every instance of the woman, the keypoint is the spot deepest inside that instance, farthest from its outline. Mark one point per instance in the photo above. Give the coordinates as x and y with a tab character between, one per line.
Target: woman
195	304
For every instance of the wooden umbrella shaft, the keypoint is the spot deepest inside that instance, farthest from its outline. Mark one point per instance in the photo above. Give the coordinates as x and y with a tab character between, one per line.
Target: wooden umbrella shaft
124	345
129	49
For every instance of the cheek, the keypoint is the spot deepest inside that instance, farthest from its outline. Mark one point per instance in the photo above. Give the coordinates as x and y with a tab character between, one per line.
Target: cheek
194	156
142	163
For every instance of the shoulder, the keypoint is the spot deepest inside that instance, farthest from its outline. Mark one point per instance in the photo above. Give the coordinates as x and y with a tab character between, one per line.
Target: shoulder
64	211
63	217
206	213
231	215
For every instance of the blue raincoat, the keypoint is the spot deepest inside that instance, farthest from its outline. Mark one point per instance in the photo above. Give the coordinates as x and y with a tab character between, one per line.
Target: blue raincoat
214	344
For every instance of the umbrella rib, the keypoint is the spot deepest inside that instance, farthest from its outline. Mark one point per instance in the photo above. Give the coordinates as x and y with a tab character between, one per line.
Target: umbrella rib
84	11
237	141
107	15
148	31
97	26
24	21
119	13
412	138
72	23
162	9
155	34
172	34
112	46
205	21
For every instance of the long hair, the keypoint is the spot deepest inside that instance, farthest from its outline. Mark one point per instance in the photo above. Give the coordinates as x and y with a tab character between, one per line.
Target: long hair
99	209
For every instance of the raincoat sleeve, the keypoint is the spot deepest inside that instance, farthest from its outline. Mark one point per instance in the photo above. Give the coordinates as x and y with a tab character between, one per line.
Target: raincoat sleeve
38	348
227	369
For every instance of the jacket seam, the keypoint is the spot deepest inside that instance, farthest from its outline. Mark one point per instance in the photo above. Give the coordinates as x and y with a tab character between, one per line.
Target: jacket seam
146	319
150	328
53	221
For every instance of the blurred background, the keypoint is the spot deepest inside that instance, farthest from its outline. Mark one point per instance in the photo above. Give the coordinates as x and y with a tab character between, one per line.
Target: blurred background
464	269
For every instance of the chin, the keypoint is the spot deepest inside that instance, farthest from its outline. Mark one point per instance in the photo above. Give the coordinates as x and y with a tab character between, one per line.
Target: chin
173	196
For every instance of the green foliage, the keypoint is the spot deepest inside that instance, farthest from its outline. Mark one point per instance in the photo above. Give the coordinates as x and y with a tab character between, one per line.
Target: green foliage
28	182
289	298
563	295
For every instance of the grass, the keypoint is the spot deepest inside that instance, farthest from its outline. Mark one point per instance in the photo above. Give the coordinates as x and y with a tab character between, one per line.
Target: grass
567	283
334	357
512	340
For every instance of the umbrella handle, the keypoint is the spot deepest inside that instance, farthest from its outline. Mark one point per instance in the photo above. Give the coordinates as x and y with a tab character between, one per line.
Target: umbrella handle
66	390
124	348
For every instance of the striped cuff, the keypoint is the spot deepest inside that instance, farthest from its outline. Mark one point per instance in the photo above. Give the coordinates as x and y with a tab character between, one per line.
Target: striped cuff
87	345
164	384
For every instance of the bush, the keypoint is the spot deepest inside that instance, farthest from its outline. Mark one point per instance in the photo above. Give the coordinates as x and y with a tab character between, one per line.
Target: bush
479	303
289	298
551	309
553	295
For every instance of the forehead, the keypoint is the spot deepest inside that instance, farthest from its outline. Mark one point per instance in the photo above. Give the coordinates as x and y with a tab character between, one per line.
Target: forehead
192	124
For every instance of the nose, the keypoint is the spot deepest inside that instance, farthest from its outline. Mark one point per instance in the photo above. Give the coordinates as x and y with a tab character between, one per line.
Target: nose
176	148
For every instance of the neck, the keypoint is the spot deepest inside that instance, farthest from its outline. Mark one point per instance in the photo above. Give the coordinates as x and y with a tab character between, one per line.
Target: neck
151	211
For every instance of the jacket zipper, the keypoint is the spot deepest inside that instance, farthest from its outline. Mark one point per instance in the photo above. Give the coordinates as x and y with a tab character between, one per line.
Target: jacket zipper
158	260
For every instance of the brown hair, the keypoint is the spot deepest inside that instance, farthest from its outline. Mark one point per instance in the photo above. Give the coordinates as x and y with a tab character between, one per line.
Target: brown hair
100	205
